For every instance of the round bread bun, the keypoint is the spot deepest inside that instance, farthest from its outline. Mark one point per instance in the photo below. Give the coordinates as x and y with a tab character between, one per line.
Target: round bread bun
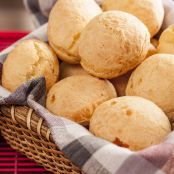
30	59
67	70
150	12
76	97
66	21
166	41
152	50
120	83
154	80
130	122
112	44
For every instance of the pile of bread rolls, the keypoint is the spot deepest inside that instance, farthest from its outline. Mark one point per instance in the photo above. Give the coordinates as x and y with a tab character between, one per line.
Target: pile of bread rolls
114	73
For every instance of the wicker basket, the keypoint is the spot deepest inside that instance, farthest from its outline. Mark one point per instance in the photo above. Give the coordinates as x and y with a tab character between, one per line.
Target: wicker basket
26	132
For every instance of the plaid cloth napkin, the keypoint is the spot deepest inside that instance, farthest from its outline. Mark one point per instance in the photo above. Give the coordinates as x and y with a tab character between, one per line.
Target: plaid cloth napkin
93	155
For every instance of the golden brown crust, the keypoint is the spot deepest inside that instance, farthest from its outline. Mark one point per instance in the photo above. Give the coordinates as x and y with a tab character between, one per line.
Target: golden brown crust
153	80
66	21
130	122
150	12
76	97
29	59
112	44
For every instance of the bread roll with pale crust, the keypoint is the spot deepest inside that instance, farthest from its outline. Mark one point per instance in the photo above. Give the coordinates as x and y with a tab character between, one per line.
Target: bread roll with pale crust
150	12
130	122
66	21
30	59
113	43
154	80
76	97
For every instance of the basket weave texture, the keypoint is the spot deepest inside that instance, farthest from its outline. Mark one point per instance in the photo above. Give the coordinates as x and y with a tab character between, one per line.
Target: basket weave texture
26	132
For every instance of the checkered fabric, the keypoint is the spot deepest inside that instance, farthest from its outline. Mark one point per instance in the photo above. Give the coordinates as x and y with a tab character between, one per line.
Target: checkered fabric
93	155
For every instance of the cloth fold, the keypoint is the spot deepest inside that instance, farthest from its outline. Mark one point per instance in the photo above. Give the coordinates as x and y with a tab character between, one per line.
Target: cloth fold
93	155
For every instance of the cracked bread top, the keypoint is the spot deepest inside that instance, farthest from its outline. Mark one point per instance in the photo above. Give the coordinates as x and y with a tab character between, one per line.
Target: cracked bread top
30	59
66	21
113	43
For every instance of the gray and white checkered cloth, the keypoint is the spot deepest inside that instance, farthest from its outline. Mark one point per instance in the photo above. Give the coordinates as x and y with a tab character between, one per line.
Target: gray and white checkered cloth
93	155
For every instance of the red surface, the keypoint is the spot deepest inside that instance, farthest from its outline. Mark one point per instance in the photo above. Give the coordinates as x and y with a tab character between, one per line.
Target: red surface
12	162
7	38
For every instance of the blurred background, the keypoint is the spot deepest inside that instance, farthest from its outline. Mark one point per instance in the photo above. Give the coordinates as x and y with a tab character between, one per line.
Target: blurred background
14	17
